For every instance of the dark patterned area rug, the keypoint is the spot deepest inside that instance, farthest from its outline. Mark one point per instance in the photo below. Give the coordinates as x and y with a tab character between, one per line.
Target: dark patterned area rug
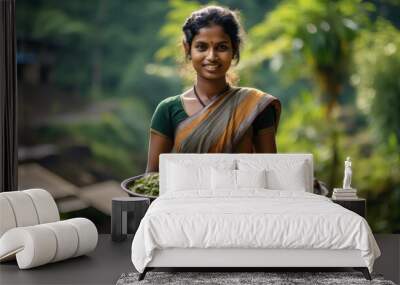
230	278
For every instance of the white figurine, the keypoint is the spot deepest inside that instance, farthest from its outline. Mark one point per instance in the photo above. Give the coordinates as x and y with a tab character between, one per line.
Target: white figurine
347	174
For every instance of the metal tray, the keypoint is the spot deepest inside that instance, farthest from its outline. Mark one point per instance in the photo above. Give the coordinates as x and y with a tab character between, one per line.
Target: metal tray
130	181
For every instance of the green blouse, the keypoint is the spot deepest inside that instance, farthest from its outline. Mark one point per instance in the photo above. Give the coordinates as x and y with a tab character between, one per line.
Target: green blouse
170	112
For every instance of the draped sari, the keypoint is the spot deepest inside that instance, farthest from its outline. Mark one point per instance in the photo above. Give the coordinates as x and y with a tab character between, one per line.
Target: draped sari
220	125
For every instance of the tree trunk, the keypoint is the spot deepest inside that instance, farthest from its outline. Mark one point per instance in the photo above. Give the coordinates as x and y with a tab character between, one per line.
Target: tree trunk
331	86
97	55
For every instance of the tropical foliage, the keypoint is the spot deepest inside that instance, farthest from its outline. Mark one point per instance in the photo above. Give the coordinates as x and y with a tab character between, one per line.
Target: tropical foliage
333	64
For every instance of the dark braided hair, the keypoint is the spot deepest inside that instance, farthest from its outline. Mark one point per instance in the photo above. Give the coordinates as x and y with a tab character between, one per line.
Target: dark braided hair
214	15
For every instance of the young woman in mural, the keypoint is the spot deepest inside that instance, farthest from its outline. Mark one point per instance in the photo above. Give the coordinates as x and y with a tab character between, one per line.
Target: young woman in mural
213	116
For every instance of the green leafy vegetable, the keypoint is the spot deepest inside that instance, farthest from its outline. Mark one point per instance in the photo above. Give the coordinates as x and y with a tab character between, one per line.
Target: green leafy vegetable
146	185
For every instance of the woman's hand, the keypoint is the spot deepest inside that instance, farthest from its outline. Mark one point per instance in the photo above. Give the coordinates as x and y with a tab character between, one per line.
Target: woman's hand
264	141
157	144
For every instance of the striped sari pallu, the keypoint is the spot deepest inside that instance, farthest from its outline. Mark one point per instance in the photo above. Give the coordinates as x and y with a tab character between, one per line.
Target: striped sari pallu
220	125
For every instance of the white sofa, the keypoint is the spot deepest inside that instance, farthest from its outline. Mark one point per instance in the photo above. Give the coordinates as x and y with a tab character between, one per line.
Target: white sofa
31	231
202	195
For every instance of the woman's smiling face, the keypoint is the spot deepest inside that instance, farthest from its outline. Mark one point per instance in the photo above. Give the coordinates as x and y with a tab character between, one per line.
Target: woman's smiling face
211	52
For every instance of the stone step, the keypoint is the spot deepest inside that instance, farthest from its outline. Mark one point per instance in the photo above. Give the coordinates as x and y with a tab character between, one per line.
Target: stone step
100	195
33	175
